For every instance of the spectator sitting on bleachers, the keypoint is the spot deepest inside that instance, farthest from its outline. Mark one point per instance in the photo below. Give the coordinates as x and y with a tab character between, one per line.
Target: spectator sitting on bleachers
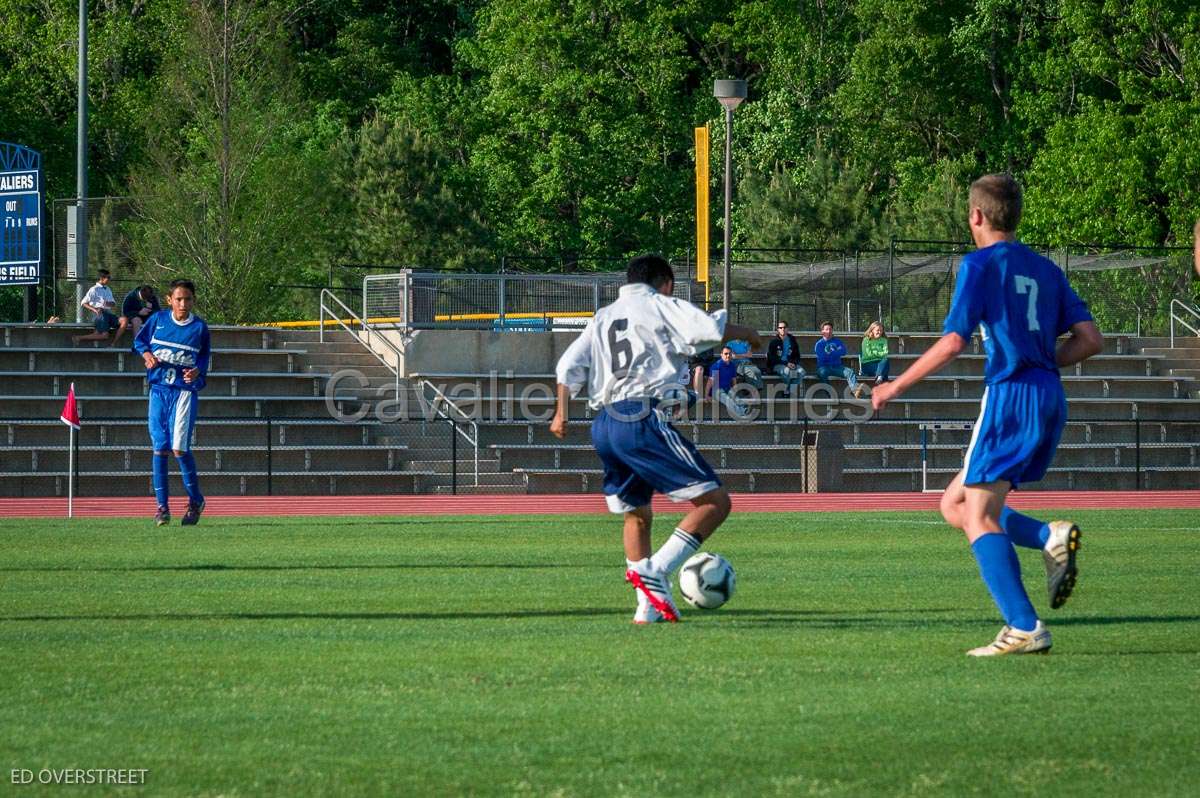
678	401
747	372
783	358
137	306
829	351
873	357
721	376
700	363
99	300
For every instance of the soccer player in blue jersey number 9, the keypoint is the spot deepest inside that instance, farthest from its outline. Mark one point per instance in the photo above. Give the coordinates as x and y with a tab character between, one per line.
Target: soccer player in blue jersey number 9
1021	303
175	346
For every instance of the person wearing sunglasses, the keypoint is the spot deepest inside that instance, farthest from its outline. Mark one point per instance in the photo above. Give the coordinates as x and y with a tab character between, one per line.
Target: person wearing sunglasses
783	359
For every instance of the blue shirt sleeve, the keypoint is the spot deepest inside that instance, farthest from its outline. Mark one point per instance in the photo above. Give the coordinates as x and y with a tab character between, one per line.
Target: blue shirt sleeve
839	349
141	343
1072	309
966	308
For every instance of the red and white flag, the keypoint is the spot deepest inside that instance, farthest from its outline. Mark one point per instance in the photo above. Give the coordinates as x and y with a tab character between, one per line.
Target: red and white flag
70	414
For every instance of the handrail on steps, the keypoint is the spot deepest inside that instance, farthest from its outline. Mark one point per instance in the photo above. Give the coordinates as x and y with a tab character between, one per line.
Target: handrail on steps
1193	313
364	340
472	437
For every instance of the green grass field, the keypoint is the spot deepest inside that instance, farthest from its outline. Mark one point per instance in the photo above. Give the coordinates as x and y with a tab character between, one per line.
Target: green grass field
495	656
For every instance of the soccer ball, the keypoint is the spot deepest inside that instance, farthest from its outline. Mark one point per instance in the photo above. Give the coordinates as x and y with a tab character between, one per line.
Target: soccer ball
706	581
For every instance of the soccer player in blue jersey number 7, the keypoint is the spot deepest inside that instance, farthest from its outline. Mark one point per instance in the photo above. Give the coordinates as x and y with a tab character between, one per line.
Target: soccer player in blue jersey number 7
630	355
1021	303
175	347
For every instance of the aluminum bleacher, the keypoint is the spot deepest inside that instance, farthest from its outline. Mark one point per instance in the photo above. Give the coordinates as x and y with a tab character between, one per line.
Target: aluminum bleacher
266	423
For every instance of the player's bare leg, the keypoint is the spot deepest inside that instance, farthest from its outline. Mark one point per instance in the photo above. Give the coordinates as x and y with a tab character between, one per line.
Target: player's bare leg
709	511
952	502
637	533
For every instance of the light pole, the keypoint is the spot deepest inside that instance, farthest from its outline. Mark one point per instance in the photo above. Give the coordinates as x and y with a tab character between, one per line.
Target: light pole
81	186
730	94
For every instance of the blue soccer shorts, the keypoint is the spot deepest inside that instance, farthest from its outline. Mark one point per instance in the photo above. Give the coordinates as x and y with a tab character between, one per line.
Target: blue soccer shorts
172	418
643	453
1021	420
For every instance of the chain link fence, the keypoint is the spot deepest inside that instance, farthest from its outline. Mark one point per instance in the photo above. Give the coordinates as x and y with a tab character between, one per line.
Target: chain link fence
909	285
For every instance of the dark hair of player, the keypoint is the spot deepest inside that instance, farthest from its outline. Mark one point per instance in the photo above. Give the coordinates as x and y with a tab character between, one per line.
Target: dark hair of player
145	291
999	197
104	273
825	324
653	270
188	284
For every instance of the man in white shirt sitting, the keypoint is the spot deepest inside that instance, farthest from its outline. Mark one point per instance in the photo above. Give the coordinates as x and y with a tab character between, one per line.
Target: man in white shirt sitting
99	300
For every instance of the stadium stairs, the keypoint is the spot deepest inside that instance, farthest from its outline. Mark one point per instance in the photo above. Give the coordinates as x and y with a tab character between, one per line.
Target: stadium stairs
261	374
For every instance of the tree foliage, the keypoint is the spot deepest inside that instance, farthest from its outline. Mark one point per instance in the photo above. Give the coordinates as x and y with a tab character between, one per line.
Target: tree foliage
445	131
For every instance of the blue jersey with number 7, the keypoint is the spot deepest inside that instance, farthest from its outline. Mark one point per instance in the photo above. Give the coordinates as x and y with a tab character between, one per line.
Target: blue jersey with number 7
1021	302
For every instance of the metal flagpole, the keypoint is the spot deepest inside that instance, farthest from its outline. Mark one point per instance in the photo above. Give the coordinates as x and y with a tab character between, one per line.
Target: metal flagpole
71	477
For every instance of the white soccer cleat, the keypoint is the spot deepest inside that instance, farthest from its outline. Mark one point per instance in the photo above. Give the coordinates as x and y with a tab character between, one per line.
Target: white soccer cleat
1015	641
1059	554
655	586
645	612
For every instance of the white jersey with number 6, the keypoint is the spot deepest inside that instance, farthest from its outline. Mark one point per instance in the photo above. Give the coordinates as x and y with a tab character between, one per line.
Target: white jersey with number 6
635	347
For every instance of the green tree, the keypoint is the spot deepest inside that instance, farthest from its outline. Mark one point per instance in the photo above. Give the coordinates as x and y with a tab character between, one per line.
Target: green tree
234	192
403	209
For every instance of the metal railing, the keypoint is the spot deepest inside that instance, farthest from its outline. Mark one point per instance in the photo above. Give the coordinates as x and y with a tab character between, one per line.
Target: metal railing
364	337
1193	316
455	416
869	303
430	300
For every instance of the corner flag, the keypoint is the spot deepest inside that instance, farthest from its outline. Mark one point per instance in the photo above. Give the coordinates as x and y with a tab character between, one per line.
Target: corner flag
70	414
70	417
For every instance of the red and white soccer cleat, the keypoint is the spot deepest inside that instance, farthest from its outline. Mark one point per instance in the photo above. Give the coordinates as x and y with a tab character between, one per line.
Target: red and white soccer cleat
655	586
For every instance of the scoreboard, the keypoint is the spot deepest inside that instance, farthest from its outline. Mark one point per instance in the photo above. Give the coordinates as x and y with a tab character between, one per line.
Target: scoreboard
20	215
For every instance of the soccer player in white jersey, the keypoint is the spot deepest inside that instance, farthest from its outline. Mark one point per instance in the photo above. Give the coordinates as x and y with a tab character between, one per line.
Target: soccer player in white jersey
629	355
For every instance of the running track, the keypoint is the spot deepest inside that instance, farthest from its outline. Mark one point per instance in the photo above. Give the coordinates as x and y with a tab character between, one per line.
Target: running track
559	504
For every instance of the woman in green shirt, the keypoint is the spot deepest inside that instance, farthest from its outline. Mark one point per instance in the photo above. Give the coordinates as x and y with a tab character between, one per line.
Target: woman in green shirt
874	358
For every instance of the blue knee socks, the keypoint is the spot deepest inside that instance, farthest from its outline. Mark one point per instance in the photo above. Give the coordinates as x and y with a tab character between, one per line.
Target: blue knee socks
191	483
1001	572
1023	530
159	466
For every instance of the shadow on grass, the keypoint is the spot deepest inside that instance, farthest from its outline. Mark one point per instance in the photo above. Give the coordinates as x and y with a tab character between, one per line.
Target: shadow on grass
900	618
328	567
332	616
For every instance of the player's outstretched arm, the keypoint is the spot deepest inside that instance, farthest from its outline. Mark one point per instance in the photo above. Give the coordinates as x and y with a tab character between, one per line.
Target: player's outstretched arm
935	358
562	412
1085	340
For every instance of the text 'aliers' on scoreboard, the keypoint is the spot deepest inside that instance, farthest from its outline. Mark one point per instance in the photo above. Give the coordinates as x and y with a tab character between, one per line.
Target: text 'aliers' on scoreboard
16	182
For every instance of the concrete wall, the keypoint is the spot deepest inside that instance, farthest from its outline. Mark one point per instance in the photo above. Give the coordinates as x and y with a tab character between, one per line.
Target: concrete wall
478	351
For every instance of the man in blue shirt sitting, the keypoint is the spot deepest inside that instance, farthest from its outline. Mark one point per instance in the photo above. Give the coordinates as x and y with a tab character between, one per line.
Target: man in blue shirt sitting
721	376
830	350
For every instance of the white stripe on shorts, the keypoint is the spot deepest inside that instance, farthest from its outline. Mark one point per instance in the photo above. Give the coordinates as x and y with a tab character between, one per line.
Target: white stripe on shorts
672	440
975	434
179	429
